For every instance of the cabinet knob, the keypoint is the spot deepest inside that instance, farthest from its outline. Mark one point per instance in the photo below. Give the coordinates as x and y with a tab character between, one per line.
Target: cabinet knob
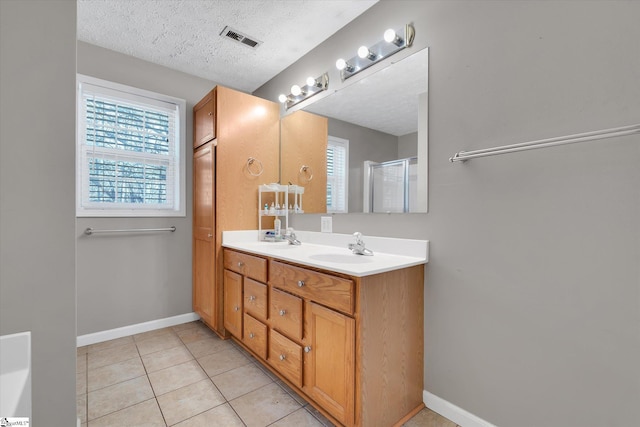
307	349
209	235
282	357
252	298
240	263
251	335
300	283
236	308
283	312
210	113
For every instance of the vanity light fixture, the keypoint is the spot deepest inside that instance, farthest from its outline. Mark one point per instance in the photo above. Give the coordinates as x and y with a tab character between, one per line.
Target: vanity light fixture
367	56
299	94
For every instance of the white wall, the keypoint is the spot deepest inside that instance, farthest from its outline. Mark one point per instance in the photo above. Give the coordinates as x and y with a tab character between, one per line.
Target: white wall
37	246
131	278
532	291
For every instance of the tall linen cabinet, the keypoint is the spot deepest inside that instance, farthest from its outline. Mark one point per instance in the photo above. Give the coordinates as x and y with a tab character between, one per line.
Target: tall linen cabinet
236	148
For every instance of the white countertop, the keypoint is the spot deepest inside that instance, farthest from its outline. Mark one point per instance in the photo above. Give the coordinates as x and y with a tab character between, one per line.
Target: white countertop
329	251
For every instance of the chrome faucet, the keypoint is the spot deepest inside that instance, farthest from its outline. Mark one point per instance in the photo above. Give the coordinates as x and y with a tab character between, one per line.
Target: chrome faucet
358	247
290	236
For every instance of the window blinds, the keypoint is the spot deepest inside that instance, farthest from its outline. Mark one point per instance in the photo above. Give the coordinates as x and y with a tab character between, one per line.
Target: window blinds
337	174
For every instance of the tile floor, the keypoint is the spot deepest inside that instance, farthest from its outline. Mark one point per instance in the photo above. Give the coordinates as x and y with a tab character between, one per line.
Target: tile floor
186	376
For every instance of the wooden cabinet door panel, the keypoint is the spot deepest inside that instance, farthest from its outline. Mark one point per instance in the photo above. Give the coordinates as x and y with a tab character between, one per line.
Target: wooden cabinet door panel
255	298
204	294
204	120
285	313
255	336
286	357
329	376
233	303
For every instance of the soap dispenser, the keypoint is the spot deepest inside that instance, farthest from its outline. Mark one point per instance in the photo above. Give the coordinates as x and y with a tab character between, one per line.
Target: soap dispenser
277	224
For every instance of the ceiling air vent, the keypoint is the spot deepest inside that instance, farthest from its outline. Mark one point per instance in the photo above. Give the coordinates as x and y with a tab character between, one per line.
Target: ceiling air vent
237	36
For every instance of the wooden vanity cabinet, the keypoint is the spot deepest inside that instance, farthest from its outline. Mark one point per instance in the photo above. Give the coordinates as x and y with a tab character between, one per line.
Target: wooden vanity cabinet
229	128
353	346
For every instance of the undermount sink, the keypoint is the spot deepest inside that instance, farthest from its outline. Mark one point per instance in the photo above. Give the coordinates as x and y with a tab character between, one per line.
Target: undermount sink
342	258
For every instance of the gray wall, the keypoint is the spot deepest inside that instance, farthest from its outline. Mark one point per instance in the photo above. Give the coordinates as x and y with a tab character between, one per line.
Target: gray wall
37	254
408	145
364	144
129	279
532	291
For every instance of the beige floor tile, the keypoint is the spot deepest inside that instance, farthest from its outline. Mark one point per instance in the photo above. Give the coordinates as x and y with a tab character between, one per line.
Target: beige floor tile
109	344
153	333
300	418
144	414
239	381
208	345
292	393
222	361
81	383
188	401
115	373
428	418
318	415
175	377
188	325
158	342
82	350
118	396
81	407
264	406
81	363
195	334
220	416
167	358
113	355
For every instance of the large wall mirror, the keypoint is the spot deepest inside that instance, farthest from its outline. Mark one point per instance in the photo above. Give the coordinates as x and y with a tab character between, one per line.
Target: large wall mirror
378	126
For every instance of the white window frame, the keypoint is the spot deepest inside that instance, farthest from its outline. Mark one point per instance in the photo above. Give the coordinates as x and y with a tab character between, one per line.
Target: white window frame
335	141
177	207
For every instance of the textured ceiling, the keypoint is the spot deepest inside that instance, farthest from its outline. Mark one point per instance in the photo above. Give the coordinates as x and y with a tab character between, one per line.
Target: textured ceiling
184	34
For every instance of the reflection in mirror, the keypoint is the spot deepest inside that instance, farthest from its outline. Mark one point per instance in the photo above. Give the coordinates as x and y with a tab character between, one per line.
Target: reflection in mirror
382	118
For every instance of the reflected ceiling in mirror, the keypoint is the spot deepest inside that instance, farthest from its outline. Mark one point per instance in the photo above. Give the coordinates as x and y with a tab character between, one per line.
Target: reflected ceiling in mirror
386	101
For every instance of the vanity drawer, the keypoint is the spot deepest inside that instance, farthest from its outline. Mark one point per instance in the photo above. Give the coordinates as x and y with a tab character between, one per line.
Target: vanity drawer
286	313
255	299
255	336
325	289
247	265
286	357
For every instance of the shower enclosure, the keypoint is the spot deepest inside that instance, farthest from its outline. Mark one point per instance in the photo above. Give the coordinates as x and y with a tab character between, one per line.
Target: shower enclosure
391	187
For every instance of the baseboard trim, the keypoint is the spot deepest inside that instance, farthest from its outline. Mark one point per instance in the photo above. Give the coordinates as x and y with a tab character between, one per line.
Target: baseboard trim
138	328
453	412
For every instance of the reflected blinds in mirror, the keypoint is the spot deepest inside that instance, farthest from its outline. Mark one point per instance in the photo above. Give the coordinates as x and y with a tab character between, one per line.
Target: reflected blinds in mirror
337	174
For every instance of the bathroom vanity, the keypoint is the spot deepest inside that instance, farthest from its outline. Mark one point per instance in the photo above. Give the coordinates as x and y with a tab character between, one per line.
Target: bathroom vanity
345	331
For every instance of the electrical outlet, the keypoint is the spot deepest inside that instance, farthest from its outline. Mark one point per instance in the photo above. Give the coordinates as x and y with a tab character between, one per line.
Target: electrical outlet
326	224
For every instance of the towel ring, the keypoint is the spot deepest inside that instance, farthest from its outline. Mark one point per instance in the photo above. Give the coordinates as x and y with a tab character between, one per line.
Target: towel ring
250	162
306	170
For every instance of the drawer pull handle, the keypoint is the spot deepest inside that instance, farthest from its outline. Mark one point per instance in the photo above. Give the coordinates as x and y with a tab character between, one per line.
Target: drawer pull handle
307	349
252	298
251	335
209	235
300	283
283	312
240	263
236	308
282	357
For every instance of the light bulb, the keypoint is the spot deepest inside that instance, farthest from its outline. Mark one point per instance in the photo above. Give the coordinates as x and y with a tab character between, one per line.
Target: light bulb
311	81
341	64
363	52
295	90
389	35
282	98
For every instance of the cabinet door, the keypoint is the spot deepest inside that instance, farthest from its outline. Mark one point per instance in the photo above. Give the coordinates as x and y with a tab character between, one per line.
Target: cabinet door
204	295
204	120
233	303
329	365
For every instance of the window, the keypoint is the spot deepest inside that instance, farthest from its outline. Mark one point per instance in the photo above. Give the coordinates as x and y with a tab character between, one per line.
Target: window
130	151
337	174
